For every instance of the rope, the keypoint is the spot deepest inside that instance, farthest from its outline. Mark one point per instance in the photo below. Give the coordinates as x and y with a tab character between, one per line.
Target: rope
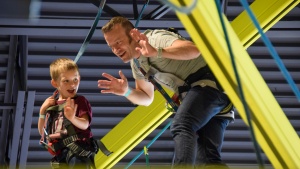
140	15
146	156
258	155
149	144
272	50
91	32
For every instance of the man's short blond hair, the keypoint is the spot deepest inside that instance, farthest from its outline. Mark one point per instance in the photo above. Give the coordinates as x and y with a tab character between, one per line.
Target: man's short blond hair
124	22
61	65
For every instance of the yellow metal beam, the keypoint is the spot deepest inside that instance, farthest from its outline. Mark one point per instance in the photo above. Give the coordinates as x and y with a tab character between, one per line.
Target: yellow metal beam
273	131
131	131
268	13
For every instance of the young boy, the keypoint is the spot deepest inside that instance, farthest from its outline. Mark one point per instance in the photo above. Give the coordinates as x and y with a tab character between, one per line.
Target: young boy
64	122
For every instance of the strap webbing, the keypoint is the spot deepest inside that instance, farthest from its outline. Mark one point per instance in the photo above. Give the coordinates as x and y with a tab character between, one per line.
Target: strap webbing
91	32
56	108
103	148
158	87
146	156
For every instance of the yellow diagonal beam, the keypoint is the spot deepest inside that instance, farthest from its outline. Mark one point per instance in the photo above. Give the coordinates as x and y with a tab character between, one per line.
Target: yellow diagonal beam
131	131
273	131
268	13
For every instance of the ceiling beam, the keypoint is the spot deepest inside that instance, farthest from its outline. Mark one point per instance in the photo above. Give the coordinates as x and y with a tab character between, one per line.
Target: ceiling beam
66	27
157	13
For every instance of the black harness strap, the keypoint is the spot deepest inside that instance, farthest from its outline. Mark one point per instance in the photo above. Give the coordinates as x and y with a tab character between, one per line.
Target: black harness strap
102	147
56	108
158	87
70	139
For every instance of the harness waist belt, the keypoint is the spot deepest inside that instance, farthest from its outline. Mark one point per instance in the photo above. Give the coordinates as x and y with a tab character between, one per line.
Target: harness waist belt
182	90
205	82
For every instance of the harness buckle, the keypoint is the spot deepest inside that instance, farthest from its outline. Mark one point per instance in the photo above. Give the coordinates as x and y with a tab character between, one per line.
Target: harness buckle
49	147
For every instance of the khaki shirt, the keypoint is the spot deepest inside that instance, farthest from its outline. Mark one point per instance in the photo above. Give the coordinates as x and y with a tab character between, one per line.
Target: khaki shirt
179	68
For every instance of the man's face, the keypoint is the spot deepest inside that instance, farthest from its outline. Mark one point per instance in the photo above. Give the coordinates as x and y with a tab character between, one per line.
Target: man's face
68	83
120	44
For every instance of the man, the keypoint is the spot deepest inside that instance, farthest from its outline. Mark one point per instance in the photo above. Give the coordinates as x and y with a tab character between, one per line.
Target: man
167	54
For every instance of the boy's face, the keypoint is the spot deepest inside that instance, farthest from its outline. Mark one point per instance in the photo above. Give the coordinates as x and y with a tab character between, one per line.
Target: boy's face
68	83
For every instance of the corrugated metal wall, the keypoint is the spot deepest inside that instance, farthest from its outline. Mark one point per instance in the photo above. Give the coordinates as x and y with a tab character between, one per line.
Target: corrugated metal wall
60	31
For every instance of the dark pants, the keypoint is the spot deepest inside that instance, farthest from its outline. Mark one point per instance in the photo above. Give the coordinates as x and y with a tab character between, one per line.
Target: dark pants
195	130
82	162
73	162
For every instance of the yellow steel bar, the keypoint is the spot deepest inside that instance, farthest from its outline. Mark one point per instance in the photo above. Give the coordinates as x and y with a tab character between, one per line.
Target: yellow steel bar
131	131
274	132
267	12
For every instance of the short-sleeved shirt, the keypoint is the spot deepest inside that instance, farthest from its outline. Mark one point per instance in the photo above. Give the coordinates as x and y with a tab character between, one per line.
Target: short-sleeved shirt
179	68
83	107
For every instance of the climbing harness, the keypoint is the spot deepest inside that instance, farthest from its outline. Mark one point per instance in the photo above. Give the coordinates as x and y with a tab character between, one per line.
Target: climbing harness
61	140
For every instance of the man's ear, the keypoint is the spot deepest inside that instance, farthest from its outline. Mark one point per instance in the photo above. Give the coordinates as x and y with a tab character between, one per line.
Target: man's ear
53	83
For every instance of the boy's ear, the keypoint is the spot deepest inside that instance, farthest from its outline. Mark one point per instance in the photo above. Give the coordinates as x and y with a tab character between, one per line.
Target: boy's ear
53	83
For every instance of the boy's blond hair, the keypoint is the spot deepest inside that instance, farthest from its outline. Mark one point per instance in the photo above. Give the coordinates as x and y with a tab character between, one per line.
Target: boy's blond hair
61	65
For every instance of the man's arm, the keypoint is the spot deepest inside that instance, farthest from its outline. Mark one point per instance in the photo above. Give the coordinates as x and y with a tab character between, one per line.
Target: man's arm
143	94
179	50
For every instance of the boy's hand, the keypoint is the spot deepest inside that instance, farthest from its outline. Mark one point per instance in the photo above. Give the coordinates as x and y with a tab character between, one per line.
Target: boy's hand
70	109
50	101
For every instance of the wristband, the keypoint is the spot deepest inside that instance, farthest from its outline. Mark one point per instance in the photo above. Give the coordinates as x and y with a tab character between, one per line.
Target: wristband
128	92
159	52
42	116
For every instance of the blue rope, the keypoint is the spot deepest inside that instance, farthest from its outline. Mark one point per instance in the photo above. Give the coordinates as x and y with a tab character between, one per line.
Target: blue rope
272	50
256	146
140	15
149	144
91	32
146	155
